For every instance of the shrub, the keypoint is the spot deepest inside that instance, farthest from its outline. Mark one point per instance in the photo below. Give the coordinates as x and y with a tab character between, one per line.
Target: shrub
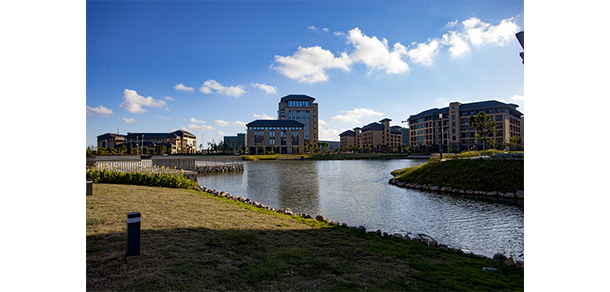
163	178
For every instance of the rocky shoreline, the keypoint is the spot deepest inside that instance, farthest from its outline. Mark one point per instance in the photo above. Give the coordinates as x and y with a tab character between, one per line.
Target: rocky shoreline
420	237
518	194
219	168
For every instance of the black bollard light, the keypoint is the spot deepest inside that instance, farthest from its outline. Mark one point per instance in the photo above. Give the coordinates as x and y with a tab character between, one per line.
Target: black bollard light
133	233
89	188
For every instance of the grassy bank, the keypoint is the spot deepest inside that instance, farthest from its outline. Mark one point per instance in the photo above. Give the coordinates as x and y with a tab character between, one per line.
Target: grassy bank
478	174
195	241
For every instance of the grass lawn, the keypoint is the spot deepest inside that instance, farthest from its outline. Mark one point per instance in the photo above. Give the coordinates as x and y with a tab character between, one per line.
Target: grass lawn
191	240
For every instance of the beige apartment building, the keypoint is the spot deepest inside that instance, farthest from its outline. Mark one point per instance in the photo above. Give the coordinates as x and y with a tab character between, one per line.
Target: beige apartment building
452	121
374	137
277	136
175	142
301	108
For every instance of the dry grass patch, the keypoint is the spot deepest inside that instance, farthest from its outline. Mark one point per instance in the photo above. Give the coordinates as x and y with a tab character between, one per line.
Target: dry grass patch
195	241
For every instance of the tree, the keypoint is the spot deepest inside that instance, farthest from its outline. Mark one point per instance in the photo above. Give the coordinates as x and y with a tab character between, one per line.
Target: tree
513	142
484	126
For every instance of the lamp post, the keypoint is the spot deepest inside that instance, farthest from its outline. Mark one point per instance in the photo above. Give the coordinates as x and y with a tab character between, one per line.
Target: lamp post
440	123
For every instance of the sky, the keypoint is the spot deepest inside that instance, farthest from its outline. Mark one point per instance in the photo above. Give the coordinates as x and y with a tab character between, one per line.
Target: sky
211	67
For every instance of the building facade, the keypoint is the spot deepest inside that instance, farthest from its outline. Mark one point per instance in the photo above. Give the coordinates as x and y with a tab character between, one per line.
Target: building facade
452	122
237	143
160	143
275	136
374	137
301	108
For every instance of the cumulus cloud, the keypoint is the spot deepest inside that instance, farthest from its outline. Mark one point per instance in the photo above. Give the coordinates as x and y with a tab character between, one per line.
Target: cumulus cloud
325	29
220	133
169	98
182	87
193	120
355	115
329	134
517	97
376	54
128	120
309	64
197	128
213	87
424	53
476	32
264	117
229	124
99	111
135	103
162	117
267	88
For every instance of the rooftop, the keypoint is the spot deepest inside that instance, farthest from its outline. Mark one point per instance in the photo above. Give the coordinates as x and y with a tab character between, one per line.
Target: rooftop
297	97
274	123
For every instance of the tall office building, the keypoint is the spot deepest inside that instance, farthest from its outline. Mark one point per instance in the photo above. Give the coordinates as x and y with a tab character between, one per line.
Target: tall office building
302	109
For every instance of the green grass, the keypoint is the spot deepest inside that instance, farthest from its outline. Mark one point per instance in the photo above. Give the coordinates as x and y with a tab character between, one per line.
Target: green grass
194	241
477	174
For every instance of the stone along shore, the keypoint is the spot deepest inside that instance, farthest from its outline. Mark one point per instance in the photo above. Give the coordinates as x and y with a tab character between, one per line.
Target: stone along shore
420	237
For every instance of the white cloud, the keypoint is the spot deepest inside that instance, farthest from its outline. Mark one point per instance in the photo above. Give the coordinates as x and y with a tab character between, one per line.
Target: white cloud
325	29
355	115
457	45
134	103
222	123
424	53
376	54
329	134
220	133
312	28
478	33
162	117
517	98
197	128
128	120
169	98
309	64
449	25
321	122
99	111
267	88
338	33
264	117
229	124
193	120
182	87
213	87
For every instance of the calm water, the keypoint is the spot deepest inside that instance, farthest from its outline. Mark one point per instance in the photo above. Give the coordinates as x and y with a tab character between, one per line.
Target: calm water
357	192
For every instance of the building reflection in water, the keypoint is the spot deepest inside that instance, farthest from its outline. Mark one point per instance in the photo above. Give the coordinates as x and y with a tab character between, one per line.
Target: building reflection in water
286	184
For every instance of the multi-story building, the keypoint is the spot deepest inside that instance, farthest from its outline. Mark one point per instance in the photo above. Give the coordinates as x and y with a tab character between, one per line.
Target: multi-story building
278	136
237	143
405	136
376	137
175	142
452	121
302	109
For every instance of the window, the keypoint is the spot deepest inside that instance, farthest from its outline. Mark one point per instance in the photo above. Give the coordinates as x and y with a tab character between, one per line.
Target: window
283	137
295	138
258	137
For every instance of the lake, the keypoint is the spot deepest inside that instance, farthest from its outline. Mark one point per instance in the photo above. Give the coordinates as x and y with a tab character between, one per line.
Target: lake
357	192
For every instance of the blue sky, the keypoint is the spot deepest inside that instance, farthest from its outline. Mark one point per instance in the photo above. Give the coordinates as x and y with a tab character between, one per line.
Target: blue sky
210	67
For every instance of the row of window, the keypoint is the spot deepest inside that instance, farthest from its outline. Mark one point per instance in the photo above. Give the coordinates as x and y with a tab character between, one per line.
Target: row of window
299	103
274	128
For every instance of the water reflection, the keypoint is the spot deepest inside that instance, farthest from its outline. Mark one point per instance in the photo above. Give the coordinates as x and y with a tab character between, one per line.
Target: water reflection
357	192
